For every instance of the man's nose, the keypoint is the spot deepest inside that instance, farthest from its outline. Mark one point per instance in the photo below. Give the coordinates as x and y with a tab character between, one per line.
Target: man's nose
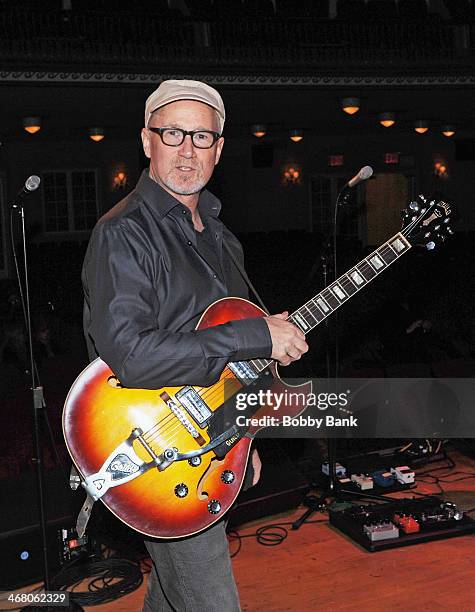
186	148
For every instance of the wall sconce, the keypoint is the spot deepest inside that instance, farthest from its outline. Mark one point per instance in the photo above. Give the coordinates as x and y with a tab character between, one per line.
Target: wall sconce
32	124
291	175
350	105
440	170
448	130
259	130
296	135
96	134
387	119
120	181
421	126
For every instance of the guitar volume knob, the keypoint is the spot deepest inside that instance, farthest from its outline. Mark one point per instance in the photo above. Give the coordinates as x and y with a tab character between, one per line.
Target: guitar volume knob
214	506
227	476
181	490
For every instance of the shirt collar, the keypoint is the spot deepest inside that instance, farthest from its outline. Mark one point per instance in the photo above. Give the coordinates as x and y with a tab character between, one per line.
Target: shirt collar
163	202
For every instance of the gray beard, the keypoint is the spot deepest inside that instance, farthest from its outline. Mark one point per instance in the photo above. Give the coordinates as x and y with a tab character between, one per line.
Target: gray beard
184	190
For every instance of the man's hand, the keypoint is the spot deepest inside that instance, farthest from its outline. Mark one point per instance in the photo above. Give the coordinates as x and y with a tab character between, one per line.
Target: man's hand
256	465
288	341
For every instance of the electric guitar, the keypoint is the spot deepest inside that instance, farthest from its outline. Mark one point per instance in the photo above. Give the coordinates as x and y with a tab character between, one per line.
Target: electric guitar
163	461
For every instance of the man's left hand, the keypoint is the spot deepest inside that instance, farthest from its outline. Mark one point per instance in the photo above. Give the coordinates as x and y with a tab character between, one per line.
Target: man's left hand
256	464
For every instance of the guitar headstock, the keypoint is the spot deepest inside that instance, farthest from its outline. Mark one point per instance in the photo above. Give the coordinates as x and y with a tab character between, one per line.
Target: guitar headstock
426	221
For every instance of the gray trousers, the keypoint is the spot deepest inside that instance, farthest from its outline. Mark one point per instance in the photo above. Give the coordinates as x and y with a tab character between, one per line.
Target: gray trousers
192	574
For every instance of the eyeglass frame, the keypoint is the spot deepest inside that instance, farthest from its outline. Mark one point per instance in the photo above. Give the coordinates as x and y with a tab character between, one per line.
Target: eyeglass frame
185	133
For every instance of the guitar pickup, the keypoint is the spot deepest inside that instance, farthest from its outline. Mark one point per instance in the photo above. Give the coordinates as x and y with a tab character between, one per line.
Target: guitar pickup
194	404
243	371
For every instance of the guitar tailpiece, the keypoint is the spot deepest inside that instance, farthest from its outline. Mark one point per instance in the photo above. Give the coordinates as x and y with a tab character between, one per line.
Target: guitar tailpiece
121	466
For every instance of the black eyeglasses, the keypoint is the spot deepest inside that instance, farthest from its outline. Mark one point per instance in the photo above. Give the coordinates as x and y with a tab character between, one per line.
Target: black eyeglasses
174	137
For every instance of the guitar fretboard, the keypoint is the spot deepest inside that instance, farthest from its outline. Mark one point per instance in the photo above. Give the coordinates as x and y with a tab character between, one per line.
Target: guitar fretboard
322	305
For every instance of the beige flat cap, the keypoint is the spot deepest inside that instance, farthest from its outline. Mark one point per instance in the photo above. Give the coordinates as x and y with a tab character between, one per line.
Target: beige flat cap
174	90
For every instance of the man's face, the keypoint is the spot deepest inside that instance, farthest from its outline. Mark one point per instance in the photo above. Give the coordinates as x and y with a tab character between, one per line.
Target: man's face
182	170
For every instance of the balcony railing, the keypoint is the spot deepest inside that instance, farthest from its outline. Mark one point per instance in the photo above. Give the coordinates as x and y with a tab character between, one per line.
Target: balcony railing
267	44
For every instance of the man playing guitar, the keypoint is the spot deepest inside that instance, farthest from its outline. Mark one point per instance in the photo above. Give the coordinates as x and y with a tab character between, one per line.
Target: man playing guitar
154	263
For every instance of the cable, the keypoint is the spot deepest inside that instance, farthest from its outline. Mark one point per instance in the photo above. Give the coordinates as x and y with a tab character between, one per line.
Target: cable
272	534
111	579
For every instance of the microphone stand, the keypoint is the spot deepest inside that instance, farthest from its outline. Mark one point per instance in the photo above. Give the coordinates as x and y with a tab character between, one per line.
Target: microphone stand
38	402
312	502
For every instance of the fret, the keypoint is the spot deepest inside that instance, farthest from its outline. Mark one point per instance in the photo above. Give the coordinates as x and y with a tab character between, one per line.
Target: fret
260	364
357	278
348	285
376	261
366	270
330	299
309	316
338	291
387	253
316	311
398	244
323	305
300	321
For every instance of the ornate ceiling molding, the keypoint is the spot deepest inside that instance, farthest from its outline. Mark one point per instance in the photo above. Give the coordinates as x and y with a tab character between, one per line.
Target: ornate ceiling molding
47	76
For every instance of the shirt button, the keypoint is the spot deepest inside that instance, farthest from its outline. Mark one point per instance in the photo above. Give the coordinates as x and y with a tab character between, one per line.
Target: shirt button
215	276
183	212
189	242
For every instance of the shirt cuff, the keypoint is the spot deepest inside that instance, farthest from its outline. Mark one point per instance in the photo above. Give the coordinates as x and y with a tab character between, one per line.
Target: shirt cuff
253	339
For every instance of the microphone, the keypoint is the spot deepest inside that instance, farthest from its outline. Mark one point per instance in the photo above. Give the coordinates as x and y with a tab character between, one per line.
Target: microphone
362	175
31	184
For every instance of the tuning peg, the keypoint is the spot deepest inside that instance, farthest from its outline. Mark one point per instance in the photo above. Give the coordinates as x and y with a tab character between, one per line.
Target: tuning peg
414	206
449	231
430	245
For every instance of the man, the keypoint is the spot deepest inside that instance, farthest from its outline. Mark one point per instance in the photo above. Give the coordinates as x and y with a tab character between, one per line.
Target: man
154	263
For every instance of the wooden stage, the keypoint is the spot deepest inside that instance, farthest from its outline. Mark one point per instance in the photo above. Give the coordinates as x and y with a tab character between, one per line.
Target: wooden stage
317	568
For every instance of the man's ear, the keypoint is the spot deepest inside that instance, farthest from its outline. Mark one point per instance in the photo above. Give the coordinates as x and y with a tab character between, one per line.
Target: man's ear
219	148
145	134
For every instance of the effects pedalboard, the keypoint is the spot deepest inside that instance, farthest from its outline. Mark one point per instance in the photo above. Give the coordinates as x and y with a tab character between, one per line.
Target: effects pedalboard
376	481
402	522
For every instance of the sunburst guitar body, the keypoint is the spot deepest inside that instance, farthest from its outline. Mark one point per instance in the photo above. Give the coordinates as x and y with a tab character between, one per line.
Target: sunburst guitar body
186	496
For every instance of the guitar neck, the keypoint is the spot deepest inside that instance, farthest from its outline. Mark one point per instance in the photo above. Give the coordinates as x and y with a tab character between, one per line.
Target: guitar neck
322	305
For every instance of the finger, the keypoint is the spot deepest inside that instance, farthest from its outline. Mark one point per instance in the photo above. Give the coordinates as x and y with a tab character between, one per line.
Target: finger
297	331
294	354
300	345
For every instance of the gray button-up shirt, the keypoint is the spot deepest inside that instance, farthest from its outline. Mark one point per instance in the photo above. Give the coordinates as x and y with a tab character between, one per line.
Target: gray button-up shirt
146	286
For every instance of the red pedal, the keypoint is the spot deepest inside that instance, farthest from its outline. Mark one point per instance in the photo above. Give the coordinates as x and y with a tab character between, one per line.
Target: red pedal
407	524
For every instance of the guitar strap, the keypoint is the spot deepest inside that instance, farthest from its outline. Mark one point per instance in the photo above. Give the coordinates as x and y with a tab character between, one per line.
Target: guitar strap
246	278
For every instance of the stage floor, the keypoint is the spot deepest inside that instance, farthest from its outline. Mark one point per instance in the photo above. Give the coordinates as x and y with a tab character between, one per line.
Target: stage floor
317	568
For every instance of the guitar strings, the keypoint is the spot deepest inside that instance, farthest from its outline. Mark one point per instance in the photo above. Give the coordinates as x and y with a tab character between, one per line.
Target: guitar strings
168	421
